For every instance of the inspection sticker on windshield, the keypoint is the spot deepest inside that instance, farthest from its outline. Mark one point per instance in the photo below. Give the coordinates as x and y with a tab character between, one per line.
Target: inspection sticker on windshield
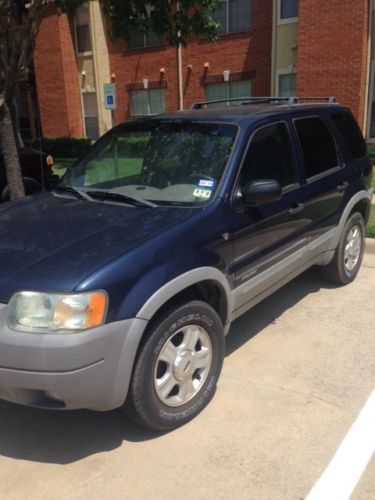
202	193
206	183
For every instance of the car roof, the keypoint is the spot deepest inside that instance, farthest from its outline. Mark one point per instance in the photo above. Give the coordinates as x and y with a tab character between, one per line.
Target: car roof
249	112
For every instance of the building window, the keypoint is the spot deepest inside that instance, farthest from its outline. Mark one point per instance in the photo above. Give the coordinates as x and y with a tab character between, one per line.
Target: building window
144	40
233	16
147	102
288	10
90	115
228	90
82	30
286	84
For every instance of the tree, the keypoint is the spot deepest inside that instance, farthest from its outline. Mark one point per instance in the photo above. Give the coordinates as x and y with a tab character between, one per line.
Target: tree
175	19
19	25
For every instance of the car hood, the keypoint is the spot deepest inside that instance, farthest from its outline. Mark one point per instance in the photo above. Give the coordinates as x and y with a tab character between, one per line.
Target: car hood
53	243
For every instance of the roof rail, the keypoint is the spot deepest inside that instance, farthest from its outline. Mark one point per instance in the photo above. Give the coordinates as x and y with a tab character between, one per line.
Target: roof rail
261	100
301	99
242	100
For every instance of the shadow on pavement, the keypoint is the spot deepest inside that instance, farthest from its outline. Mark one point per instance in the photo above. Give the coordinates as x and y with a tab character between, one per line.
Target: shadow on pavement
65	437
266	312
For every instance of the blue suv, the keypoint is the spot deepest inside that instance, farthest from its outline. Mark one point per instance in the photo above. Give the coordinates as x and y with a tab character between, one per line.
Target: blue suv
117	288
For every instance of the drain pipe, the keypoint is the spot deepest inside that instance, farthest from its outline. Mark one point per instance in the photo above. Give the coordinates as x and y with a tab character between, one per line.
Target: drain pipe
179	70
179	77
273	50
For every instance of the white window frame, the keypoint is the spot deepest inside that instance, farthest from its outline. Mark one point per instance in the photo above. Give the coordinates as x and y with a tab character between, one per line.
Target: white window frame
227	85
145	44
75	25
136	116
84	116
227	31
282	72
287	20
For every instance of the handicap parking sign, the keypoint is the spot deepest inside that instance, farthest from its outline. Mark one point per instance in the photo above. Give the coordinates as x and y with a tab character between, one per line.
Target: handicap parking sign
110	96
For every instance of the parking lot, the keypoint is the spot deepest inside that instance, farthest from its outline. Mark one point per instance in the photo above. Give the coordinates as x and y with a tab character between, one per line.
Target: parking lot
299	369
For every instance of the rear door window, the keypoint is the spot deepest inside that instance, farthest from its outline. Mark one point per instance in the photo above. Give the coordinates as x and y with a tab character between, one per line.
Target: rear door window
317	145
351	133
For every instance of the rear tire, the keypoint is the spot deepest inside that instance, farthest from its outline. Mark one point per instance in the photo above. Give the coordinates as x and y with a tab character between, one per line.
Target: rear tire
348	256
177	368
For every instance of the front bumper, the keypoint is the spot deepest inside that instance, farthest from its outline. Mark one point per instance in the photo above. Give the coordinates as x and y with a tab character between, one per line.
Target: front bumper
90	369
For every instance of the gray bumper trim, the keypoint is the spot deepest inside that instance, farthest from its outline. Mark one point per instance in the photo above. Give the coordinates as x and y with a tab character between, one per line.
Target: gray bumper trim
90	369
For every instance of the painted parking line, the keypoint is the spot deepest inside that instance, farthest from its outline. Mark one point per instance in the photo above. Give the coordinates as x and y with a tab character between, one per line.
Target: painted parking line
350	460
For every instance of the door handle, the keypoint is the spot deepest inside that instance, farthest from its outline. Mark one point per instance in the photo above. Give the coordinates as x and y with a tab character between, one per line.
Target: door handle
296	209
342	187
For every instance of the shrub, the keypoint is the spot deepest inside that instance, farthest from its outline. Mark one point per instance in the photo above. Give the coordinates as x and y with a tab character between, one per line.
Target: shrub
132	146
371	150
63	147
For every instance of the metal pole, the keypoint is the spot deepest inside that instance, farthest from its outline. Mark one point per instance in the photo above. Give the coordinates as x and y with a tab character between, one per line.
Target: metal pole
180	87
179	71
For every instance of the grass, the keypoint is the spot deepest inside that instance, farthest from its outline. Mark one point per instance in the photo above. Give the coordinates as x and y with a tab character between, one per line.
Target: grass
102	170
108	170
61	164
370	231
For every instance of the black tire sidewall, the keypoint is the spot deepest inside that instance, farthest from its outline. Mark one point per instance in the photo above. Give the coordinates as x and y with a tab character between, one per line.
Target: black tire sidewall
159	415
346	275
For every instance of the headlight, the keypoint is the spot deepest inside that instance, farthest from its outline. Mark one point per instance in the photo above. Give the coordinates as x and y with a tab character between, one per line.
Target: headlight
42	312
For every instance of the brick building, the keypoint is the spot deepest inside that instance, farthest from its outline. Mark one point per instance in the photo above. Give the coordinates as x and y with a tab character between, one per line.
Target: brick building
267	47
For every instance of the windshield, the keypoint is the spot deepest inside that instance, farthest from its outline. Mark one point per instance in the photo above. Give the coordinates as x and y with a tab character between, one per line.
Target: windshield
178	163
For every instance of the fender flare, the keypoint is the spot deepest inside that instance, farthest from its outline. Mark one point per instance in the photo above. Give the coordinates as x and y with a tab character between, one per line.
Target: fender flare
361	195
180	283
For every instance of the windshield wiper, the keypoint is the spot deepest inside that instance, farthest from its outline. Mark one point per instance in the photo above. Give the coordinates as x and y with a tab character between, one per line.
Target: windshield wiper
124	198
75	191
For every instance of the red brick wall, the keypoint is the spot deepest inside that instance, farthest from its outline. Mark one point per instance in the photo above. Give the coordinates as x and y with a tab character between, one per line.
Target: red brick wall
332	51
248	53
57	78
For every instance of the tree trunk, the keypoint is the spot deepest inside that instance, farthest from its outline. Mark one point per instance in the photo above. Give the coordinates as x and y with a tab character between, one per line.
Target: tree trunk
10	154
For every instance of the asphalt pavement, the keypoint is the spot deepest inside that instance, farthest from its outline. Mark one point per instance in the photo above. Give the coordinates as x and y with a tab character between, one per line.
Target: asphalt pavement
299	369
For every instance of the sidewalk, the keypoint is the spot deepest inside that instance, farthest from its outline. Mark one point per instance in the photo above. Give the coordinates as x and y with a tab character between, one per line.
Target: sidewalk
370	246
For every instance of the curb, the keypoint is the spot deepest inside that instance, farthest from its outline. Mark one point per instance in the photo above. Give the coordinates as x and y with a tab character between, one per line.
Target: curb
370	246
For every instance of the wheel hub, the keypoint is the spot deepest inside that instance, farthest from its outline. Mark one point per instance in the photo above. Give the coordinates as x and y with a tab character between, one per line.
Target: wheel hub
184	366
353	248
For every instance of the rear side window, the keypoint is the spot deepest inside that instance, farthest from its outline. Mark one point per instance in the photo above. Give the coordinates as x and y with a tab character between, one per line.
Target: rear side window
317	144
351	133
270	156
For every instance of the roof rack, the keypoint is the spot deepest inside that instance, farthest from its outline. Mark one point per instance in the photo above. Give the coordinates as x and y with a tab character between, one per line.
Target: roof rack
271	100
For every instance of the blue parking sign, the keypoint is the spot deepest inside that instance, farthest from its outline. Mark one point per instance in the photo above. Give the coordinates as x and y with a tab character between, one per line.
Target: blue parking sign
110	96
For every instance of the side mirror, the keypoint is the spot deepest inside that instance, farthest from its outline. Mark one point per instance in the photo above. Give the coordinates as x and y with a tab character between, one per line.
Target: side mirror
261	191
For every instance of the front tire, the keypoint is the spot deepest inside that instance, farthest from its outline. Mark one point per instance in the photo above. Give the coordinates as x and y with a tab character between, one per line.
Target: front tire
177	368
349	254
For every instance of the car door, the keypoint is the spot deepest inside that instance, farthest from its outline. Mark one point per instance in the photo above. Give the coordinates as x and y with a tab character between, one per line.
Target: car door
324	174
269	239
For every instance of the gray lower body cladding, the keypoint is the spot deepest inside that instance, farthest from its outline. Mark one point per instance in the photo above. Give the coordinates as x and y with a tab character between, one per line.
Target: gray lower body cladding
89	369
